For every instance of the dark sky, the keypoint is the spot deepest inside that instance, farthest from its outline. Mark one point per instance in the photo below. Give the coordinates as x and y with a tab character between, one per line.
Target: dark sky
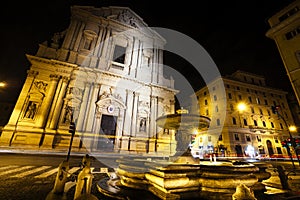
231	31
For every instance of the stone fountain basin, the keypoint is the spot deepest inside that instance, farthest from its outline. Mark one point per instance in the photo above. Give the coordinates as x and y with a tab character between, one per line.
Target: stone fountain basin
225	176
167	180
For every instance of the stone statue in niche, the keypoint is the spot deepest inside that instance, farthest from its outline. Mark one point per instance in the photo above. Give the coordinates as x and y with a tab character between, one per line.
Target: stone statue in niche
40	86
31	110
143	124
57	39
68	115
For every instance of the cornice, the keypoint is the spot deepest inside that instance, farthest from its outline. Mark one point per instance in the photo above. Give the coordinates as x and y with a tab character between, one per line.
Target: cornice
96	71
286	23
50	61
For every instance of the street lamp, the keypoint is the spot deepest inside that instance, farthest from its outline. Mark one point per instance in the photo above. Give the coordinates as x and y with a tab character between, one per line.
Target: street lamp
241	108
293	128
2	84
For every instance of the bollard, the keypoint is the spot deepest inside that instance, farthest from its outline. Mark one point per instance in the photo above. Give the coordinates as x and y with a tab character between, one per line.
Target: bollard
84	181
61	178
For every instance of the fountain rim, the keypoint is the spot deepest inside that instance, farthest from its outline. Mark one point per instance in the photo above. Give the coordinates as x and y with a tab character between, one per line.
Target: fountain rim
183	114
181	118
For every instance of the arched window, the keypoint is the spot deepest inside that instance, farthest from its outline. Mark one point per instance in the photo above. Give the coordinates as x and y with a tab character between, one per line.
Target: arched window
234	121
255	122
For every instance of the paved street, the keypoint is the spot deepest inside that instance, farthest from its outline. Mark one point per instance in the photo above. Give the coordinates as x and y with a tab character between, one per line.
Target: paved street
32	182
32	176
24	177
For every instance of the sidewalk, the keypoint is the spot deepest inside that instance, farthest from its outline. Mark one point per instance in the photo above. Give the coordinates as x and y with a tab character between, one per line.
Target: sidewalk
57	152
274	187
74	152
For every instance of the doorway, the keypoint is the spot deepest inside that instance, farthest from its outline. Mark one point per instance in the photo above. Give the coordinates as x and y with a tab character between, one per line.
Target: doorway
239	151
270	148
107	132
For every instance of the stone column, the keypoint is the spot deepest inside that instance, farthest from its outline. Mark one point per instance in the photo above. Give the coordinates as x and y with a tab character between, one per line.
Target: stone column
98	43
48	101
128	113
139	59
134	57
79	36
70	34
153	114
91	109
172	106
151	64
155	66
127	121
129	52
133	124
134	114
159	112
105	49
58	106
160	67
83	107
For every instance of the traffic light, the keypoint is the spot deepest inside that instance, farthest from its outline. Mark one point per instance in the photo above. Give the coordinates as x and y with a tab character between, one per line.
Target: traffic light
289	141
284	143
72	128
297	141
275	109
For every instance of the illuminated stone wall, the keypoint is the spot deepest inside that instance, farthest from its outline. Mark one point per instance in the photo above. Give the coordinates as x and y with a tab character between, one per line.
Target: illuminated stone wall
285	31
255	126
106	71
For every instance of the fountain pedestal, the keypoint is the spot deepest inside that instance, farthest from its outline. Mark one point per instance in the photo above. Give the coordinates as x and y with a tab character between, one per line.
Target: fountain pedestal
175	181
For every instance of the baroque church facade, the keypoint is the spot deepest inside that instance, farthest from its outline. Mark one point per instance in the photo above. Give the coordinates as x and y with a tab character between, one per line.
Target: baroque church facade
105	73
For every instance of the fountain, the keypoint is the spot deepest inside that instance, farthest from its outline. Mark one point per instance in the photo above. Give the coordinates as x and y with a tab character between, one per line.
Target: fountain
181	176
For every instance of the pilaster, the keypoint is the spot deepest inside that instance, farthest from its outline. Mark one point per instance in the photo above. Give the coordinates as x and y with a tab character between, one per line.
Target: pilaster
58	106
48	101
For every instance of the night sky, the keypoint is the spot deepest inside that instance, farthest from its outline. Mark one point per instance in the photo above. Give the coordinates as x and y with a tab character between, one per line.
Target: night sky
232	32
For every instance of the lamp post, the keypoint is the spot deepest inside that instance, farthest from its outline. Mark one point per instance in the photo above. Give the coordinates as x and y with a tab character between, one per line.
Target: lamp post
72	130
294	129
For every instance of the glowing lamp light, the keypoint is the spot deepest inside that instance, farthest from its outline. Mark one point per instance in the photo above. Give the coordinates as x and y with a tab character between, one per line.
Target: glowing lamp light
241	106
293	128
2	84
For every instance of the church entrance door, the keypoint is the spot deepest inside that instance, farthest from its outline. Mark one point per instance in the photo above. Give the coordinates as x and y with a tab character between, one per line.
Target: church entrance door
107	133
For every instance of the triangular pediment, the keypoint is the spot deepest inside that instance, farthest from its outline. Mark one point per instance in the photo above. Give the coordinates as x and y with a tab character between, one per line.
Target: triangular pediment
121	14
